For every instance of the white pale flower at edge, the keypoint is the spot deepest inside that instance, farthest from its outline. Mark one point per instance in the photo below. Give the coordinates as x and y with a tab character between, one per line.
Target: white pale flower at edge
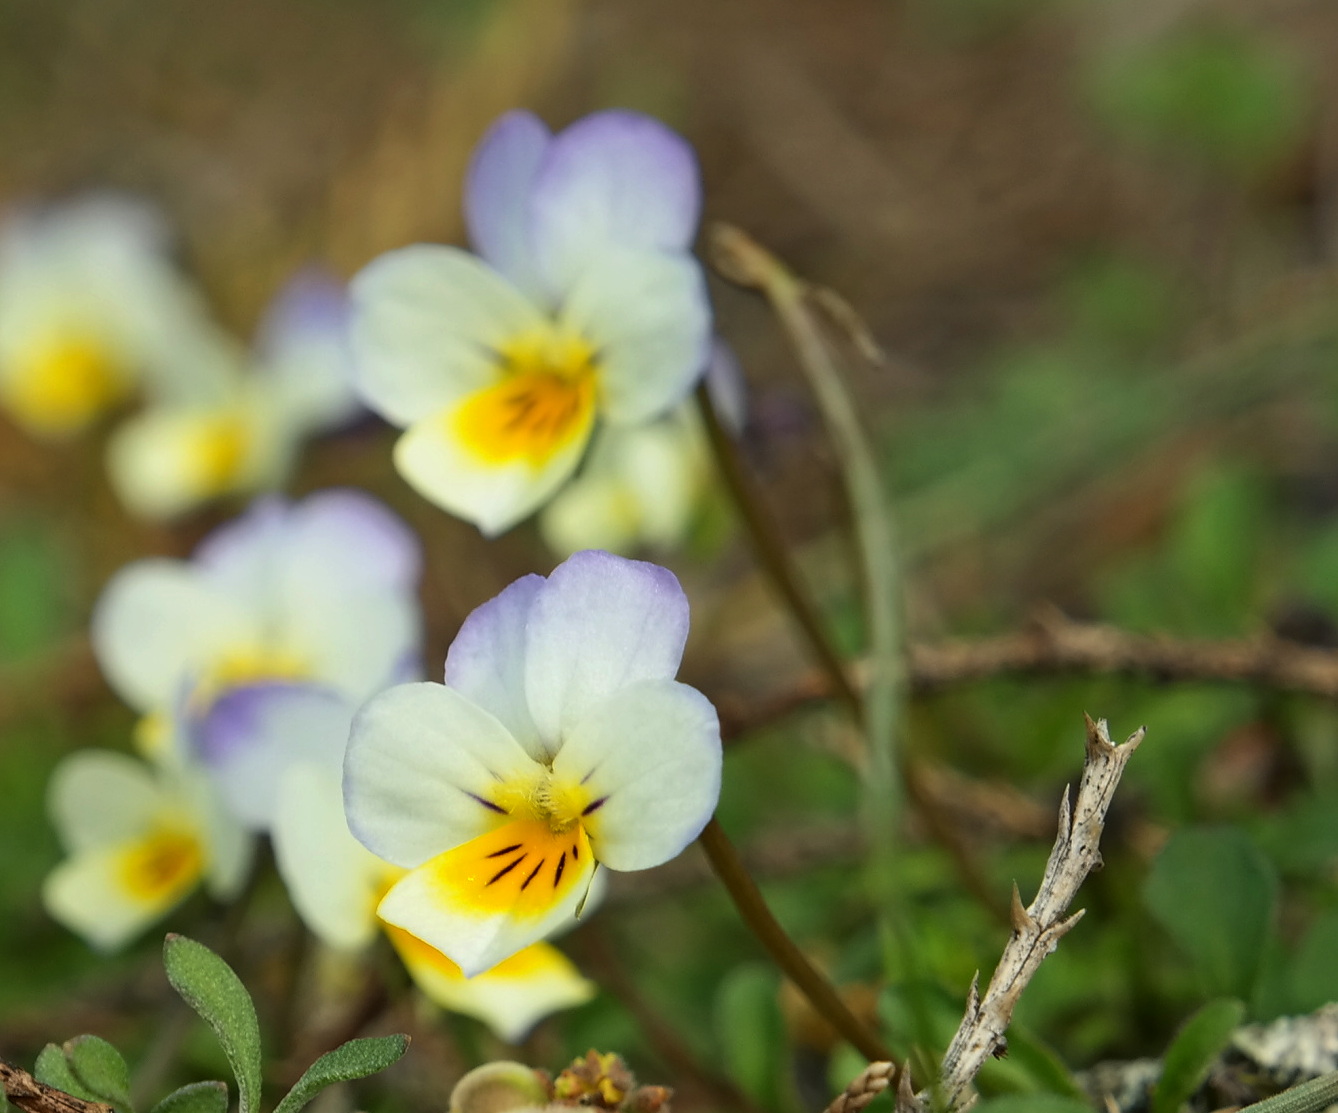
243	434
140	839
323	590
92	310
584	306
295	742
560	742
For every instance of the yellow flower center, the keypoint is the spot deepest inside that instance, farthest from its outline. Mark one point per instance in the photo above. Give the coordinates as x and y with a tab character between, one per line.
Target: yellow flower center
543	403
64	384
218	451
163	866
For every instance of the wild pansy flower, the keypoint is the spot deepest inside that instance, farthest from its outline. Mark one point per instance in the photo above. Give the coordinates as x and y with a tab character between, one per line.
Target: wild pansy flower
560	741
285	772
140	840
584	305
90	310
643	486
323	591
240	433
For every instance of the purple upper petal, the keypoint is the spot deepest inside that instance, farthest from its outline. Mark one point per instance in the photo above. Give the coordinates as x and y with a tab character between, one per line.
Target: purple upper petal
347	528
251	734
486	661
600	622
313	303
613	178
497	196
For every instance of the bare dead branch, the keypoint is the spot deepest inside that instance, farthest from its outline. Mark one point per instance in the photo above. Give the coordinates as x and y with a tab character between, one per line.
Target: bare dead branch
24	1091
1054	645
1037	928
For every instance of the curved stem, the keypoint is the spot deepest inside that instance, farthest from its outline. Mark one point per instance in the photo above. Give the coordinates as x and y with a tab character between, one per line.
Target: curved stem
774	556
729	867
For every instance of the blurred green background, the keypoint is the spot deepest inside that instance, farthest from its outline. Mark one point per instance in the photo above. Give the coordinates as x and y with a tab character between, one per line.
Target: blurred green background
1098	243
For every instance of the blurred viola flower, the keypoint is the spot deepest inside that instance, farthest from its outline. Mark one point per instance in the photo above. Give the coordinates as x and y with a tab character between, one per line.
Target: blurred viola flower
284	775
583	306
322	591
643	486
560	741
91	309
140	839
240	433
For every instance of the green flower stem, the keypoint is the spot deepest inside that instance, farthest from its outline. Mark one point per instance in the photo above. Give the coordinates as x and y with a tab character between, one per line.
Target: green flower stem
1310	1097
729	867
773	554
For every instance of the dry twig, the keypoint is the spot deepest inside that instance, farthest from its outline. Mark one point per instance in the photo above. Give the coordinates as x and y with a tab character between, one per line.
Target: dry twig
1037	928
1053	645
25	1092
869	1083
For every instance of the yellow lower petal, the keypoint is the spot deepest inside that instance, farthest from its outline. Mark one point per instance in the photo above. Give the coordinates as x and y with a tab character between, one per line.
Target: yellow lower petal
526	418
522	869
162	867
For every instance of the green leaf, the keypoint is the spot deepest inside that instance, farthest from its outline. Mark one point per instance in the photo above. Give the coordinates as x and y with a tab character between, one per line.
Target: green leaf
197	1097
100	1067
1314	974
210	987
1193	1050
355	1059
751	1032
1214	892
53	1069
1039	1061
1033	1103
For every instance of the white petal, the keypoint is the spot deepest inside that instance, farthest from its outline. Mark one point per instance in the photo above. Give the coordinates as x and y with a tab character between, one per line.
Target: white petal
486	661
486	899
157	622
601	622
85	894
613	178
229	847
510	998
251	735
493	497
333	880
427	321
422	766
648	315
96	798
497	196
356	642
652	754
352	538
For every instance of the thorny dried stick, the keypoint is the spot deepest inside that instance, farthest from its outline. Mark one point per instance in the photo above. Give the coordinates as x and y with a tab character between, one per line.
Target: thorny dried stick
26	1093
1037	928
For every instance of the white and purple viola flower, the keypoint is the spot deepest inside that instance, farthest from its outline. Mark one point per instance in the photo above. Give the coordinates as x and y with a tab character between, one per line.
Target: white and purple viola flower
283	772
322	591
559	742
583	305
240	432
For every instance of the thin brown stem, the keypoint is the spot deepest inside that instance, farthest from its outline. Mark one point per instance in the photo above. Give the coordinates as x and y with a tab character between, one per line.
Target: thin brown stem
774	555
793	963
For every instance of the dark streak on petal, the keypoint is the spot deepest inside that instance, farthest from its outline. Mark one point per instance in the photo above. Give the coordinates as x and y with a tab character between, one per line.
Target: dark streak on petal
525	884
505	850
594	807
506	869
488	804
557	874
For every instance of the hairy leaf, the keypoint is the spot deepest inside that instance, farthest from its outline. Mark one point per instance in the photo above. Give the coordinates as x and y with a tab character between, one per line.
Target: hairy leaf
355	1059
210	987
197	1097
100	1067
